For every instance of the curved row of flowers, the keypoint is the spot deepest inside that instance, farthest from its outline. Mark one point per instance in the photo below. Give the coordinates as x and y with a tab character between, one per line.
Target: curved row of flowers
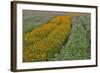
43	42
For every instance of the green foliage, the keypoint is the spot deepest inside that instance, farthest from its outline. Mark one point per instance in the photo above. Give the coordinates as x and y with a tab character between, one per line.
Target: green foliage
78	44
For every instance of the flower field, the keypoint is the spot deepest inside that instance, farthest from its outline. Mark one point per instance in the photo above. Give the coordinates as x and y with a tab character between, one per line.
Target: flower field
43	42
56	36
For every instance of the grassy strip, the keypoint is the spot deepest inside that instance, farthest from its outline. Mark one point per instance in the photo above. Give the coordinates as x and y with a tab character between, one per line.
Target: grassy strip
78	44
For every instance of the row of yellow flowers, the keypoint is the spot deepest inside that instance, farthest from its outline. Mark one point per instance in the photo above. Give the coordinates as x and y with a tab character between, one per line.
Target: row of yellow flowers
43	42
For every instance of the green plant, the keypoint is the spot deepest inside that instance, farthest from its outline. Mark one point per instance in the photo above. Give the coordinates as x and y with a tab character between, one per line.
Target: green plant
78	44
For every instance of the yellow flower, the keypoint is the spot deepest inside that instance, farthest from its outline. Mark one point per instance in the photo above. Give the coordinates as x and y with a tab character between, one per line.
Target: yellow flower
46	39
